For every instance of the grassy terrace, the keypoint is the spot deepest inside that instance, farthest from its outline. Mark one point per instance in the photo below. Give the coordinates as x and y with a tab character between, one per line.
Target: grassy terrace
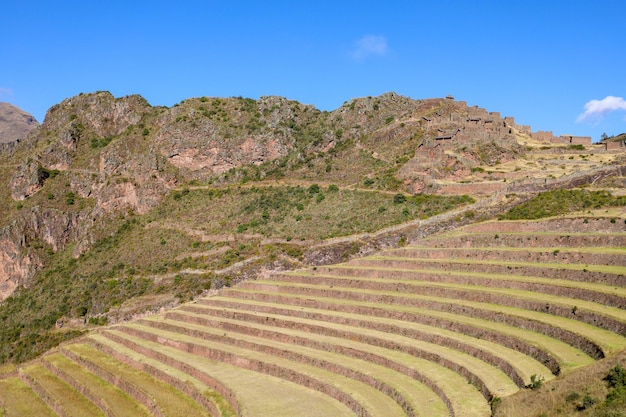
605	339
257	394
319	321
17	399
155	394
58	394
406	267
407	391
615	317
566	355
112	400
202	393
376	345
607	269
416	286
365	399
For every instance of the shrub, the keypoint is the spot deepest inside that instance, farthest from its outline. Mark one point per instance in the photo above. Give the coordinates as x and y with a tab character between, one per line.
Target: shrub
399	198
69	198
588	402
572	396
617	377
536	382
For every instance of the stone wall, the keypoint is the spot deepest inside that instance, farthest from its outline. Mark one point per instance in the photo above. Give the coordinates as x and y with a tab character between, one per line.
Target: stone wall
576	140
543	136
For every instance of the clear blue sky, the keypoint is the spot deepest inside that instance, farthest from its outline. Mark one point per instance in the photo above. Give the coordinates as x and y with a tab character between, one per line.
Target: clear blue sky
539	61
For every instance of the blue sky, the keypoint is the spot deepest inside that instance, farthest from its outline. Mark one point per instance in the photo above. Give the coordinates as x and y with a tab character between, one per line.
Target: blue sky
554	65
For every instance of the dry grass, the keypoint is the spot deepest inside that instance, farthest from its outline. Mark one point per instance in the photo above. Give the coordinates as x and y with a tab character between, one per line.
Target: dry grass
551	399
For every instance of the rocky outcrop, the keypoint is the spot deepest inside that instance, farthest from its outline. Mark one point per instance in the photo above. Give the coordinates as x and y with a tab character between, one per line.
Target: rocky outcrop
37	229
27	180
104	114
16	268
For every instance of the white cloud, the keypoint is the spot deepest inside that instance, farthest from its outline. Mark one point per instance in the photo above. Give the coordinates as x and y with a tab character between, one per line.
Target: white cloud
370	45
596	109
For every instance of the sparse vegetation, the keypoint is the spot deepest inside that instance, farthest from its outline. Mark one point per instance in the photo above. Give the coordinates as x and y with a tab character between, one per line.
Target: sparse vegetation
554	203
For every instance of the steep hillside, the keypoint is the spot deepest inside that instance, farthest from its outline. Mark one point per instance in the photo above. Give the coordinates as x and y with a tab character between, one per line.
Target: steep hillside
113	208
14	123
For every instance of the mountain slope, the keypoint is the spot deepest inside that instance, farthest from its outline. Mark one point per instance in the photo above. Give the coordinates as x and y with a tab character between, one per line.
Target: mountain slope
14	123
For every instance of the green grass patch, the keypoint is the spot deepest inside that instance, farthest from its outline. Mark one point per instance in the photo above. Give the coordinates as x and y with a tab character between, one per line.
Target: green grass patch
19	400
170	401
62	392
115	399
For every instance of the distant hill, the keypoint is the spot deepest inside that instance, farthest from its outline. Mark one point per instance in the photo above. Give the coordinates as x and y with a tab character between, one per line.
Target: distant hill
15	123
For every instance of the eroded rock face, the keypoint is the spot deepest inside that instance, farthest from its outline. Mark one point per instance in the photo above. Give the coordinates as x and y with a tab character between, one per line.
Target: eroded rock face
27	180
15	268
204	146
43	226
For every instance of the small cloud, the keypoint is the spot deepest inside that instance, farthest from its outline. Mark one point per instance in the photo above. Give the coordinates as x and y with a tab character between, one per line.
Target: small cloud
370	45
5	92
597	109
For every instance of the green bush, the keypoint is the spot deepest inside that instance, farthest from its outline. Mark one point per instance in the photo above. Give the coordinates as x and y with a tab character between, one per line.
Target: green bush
616	377
536	382
399	198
